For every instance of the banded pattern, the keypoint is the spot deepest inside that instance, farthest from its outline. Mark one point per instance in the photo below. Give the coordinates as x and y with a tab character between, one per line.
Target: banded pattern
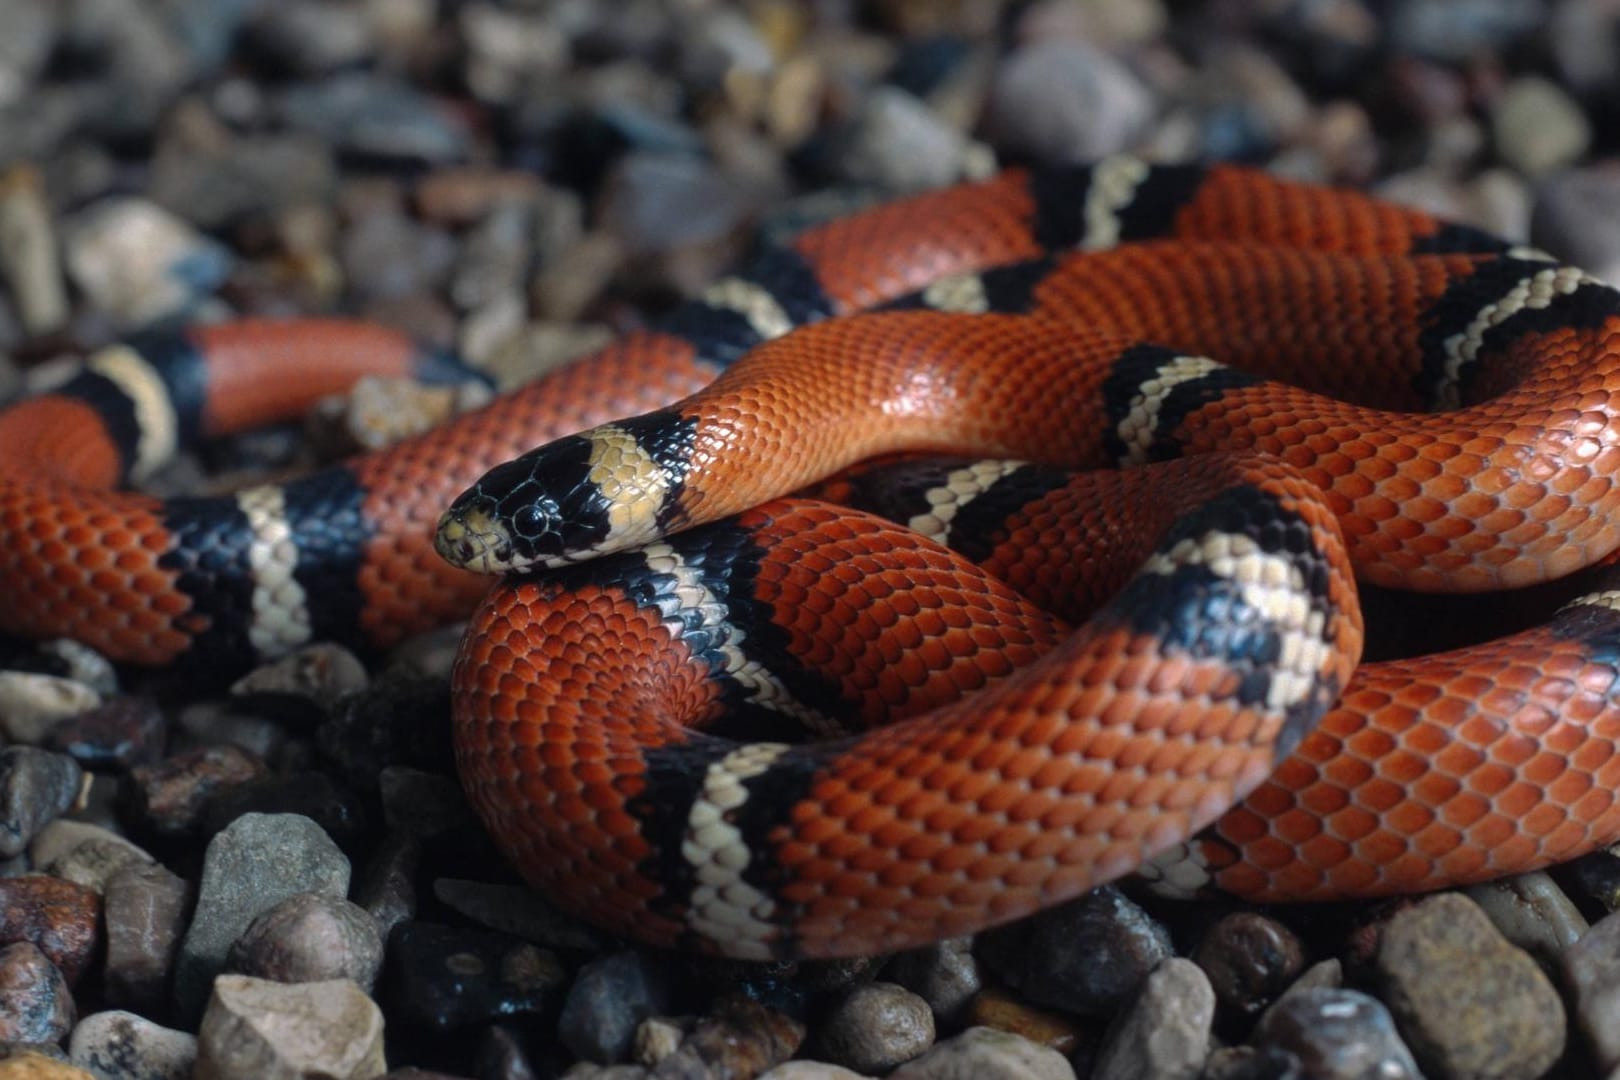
1115	314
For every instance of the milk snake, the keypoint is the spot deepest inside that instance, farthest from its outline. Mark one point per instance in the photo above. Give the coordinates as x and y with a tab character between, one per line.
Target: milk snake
1062	315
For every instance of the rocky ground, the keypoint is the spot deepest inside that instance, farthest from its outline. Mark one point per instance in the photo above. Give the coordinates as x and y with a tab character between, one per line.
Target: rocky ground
283	880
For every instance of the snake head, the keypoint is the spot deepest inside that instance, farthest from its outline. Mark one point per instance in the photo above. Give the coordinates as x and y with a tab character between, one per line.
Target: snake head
538	510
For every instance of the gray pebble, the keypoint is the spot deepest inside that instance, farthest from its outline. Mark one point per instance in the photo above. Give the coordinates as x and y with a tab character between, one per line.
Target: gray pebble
386	255
1336	1035
659	201
1065	101
981	1053
1571	218
377	117
1456	30
146	908
30	703
36	787
511	53
87	854
36	1005
898	144
215	178
1592	971
319	673
810	1070
258	1028
222	722
609	997
1088	956
1468	1003
945	974
1166	1031
877	1027
1533	913
250	866
27	34
123	1046
310	938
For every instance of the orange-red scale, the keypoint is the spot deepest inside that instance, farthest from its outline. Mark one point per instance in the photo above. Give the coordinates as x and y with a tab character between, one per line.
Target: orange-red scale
1442	505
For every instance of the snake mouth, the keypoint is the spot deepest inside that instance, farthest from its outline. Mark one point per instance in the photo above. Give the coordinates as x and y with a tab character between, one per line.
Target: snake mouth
473	540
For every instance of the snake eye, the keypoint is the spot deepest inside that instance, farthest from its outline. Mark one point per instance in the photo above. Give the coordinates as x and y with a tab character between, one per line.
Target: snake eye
531	522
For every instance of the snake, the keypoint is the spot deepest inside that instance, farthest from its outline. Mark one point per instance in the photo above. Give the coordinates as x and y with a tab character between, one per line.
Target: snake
702	707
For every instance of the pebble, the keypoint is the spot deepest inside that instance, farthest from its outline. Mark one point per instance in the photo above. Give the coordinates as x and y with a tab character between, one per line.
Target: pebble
1536	127
1592	971
120	1045
1534	914
609	996
86	854
306	793
1468	1003
1066	101
442	978
387	884
655	202
945	974
1249	959
1571	219
738	1037
214	178
516	910
809	1070
28	253
140	263
31	703
225	722
984	1054
58	917
36	1005
38	1063
388	256
1455	30
113	737
376	117
877	1027
510	54
255	1029
83	664
309	37
1166	1031
168	798
1088	956
657	1037
36	787
399	721
996	1009
310	938
898	144
1336	1035
146	908
316	674
250	866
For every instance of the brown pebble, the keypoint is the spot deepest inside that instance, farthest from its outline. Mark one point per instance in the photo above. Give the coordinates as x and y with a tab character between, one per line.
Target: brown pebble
1249	959
999	1010
169	797
59	917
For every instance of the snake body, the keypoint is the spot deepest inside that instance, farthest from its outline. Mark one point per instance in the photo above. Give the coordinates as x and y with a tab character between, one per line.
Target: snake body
1459	432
